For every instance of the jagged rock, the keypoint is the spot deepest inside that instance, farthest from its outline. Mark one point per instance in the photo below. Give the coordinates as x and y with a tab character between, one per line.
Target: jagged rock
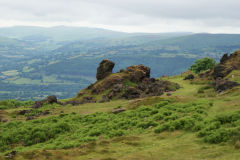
222	85
189	77
29	118
116	111
11	154
105	69
134	82
138	73
52	99
131	92
221	71
108	83
224	58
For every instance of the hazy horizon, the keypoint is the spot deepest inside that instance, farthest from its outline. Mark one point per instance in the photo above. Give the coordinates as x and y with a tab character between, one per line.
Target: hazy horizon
144	16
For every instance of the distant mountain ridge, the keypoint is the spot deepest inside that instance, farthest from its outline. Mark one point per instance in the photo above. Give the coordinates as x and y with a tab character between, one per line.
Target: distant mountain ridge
65	58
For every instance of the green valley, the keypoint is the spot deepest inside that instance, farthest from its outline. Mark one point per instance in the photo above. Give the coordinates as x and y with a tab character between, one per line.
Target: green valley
193	117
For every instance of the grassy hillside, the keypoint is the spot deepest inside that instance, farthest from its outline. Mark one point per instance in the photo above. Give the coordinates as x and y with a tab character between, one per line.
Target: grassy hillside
193	122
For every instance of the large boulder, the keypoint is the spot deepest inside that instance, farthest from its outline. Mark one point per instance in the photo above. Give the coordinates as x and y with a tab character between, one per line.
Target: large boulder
222	85
220	71
118	110
105	69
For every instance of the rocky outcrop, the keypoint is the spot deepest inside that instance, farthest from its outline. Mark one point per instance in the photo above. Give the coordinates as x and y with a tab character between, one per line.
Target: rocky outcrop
133	82
131	93
227	65
224	58
221	71
105	69
218	74
138	72
222	85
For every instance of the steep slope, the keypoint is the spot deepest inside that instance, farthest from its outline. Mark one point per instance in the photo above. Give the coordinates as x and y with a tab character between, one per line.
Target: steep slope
194	122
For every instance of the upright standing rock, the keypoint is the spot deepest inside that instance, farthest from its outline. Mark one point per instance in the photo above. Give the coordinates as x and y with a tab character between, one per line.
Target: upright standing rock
224	58
105	69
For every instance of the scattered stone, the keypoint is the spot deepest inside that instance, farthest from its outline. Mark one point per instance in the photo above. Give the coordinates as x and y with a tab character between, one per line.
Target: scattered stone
116	111
11	154
46	112
23	112
105	69
29	118
189	77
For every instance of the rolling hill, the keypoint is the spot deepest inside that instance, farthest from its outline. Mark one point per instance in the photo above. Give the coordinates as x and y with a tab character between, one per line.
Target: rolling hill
196	121
64	58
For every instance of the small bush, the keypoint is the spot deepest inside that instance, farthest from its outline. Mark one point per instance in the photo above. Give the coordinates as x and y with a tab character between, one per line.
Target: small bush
203	65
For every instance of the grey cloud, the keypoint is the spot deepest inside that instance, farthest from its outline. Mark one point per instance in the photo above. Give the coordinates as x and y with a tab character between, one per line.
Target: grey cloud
202	15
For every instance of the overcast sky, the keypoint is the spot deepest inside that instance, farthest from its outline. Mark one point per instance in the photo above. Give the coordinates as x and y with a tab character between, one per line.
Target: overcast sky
215	16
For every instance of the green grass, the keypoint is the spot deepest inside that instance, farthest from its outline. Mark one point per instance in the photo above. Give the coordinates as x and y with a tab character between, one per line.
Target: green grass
189	124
